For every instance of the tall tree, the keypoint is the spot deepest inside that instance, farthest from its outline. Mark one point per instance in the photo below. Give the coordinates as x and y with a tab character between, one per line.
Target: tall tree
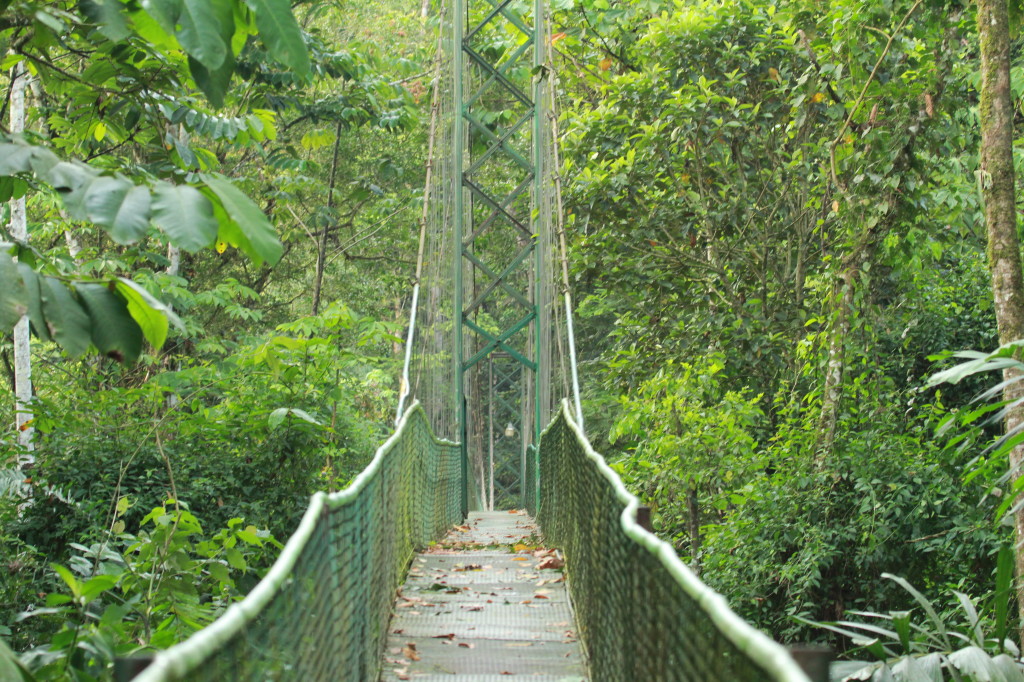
998	188
19	230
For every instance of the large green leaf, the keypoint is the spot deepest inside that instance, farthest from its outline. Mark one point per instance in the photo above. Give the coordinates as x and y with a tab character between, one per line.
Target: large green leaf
114	332
15	158
12	292
152	316
120	206
199	32
109	16
66	321
166	13
251	230
214	84
72	181
185	215
10	667
281	34
34	299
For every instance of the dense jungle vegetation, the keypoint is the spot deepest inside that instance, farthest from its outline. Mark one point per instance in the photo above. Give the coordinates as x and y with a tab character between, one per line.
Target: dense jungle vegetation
777	234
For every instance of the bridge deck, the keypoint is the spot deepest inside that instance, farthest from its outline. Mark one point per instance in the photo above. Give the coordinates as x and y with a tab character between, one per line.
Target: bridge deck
487	603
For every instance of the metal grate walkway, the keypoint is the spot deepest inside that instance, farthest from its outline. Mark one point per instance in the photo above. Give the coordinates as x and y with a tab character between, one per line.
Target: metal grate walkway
485	603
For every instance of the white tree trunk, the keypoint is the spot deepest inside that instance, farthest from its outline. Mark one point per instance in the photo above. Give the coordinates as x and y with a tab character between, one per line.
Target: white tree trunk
174	256
22	347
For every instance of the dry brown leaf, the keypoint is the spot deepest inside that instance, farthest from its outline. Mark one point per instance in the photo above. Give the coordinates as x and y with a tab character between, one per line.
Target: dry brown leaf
450	635
551	562
409	651
466	645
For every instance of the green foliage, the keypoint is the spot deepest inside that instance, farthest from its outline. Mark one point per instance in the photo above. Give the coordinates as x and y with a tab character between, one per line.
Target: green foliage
808	541
688	433
113	316
938	648
142	591
785	190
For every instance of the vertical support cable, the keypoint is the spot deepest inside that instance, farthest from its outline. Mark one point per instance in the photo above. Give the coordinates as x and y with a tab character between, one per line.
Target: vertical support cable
539	221
564	257
435	107
458	150
404	388
571	333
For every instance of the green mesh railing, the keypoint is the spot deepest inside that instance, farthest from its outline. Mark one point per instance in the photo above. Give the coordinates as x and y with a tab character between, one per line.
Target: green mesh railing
641	613
322	611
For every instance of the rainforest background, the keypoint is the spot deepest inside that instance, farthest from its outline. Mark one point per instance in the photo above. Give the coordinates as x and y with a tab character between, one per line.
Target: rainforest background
776	228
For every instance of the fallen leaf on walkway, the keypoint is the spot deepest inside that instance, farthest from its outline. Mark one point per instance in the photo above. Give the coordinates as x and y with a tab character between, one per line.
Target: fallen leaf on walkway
450	635
551	562
466	645
409	651
519	558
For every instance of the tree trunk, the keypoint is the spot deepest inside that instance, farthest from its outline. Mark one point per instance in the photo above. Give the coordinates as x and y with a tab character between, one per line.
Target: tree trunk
998	188
321	245
22	346
835	371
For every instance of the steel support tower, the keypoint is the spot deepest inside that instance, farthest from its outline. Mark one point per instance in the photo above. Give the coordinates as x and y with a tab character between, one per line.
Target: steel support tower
500	227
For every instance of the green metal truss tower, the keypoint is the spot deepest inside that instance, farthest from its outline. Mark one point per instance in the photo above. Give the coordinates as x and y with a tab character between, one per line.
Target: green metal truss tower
500	227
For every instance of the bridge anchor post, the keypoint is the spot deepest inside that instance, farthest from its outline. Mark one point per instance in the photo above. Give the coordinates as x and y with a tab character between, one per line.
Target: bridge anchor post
813	659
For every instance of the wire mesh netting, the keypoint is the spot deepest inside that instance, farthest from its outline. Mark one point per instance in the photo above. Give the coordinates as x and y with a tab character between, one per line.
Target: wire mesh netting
323	609
640	612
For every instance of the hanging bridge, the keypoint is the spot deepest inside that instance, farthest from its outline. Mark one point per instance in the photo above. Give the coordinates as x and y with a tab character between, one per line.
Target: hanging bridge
486	539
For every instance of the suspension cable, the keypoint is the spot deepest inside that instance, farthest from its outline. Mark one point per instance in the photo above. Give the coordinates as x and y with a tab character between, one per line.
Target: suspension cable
563	249
435	105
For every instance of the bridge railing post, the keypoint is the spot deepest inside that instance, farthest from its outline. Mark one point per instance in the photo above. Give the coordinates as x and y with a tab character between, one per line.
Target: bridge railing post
126	669
813	659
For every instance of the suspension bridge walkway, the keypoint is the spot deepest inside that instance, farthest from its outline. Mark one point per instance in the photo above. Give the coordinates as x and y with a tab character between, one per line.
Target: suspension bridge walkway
487	597
486	539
